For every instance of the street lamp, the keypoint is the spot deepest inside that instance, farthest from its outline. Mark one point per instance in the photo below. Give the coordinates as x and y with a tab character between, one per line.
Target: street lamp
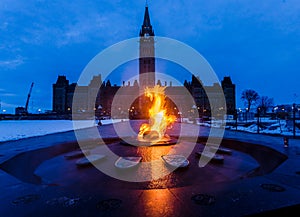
258	114
286	141
294	120
236	118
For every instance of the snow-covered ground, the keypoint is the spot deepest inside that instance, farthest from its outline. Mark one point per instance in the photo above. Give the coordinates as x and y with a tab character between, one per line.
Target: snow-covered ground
267	126
14	130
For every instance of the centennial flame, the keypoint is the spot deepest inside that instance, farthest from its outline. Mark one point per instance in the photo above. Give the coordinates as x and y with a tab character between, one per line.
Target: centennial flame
159	119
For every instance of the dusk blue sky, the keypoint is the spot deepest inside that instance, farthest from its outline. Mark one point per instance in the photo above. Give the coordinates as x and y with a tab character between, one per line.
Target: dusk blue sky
256	43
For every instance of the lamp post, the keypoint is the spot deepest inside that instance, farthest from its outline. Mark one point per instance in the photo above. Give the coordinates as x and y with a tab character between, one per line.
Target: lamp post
294	120
276	113
236	118
258	114
286	141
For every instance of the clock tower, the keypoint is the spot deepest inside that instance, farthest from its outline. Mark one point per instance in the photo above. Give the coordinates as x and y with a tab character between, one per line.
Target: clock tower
147	54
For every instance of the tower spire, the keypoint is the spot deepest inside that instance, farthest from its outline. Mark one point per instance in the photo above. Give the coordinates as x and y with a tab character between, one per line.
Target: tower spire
146	27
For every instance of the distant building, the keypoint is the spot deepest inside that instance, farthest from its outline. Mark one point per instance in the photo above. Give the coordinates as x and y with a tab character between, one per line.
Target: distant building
229	92
98	96
61	95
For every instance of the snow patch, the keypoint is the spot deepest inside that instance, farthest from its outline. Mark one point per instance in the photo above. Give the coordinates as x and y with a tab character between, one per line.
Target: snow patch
20	129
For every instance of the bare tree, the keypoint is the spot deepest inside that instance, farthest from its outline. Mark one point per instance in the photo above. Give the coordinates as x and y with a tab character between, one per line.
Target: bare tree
264	103
250	97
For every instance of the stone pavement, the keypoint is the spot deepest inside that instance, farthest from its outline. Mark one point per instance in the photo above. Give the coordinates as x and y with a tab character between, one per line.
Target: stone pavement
36	180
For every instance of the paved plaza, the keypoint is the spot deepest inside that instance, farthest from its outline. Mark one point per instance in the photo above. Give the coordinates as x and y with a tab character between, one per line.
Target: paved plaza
261	176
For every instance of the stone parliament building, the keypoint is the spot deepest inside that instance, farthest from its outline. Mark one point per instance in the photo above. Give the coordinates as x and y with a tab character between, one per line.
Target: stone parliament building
63	90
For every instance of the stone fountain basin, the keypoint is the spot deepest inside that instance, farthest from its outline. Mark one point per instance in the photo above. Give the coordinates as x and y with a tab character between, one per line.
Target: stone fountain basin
49	166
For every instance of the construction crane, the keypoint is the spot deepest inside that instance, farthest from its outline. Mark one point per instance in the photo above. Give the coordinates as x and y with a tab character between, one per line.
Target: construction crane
24	110
28	97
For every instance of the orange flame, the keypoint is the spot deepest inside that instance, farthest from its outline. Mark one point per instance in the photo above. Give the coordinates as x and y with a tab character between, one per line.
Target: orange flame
155	130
